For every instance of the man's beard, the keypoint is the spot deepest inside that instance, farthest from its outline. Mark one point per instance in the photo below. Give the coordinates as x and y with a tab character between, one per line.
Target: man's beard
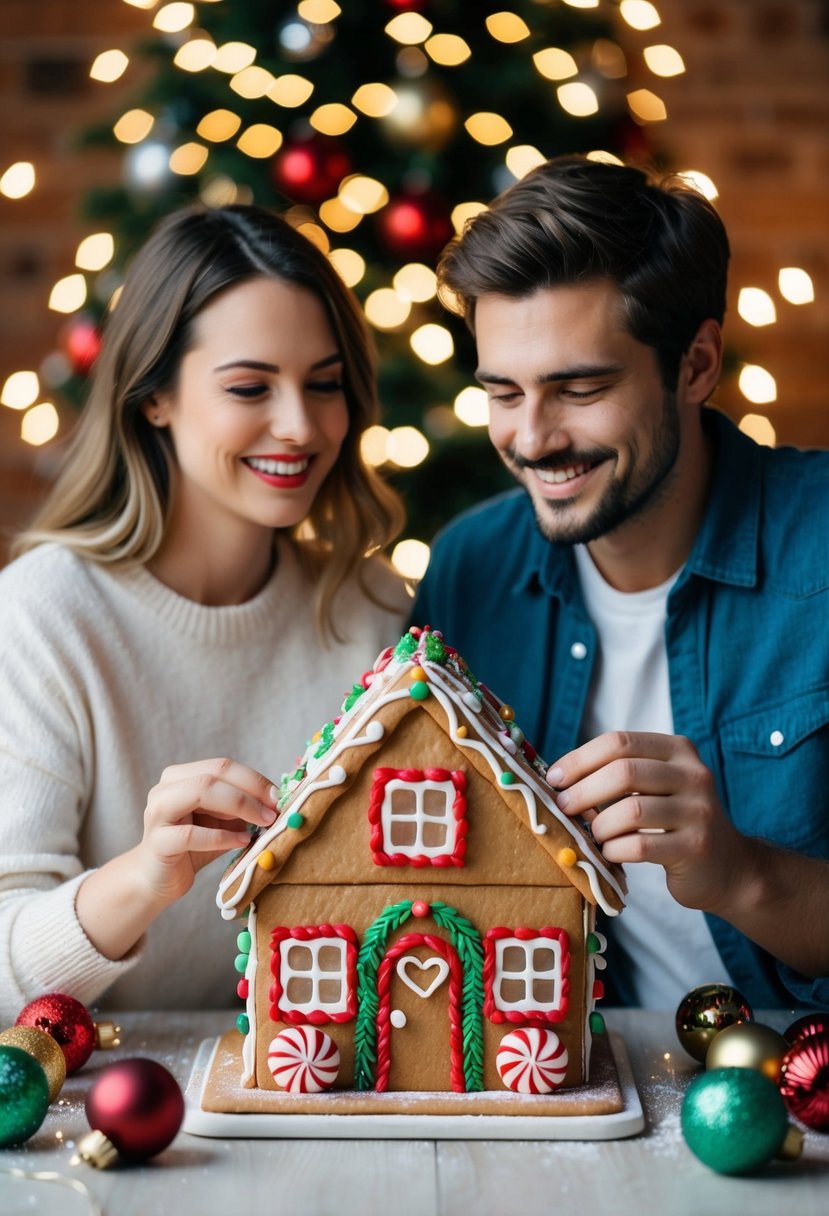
622	500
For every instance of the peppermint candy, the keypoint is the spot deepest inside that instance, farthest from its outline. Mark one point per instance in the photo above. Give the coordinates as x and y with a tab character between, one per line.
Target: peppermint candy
303	1060
531	1061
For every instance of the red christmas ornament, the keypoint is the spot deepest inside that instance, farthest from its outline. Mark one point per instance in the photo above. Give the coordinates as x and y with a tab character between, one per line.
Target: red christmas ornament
810	1023
67	1021
310	169
804	1080
137	1106
81	339
415	226
406	6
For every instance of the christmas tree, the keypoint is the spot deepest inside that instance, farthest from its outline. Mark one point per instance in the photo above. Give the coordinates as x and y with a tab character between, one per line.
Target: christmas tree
377	126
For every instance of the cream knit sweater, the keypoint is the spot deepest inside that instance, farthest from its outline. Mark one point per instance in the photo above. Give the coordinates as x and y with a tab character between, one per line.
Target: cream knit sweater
107	677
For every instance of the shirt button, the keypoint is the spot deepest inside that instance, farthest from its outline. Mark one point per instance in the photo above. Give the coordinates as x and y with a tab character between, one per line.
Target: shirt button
579	651
776	738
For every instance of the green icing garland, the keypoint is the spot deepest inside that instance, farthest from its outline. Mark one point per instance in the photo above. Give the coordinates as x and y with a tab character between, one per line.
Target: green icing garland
467	942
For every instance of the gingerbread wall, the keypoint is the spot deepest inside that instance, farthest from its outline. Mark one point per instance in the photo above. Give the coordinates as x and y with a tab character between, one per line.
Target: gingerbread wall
752	111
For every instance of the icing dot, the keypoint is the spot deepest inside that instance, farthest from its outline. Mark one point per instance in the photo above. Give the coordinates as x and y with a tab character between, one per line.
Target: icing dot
417	673
506	712
266	860
397	1018
295	820
594	946
472	702
598	990
567	857
420	908
375	731
337	774
243	1023
419	690
507	778
243	942
461	732
241	963
242	989
597	1023
507	743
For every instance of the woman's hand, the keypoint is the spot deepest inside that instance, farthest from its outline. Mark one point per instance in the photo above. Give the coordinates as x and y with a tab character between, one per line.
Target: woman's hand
197	812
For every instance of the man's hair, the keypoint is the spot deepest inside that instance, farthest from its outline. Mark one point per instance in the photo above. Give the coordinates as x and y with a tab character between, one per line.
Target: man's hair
573	220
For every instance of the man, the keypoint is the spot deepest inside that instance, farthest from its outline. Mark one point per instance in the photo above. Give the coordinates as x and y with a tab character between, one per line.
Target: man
655	599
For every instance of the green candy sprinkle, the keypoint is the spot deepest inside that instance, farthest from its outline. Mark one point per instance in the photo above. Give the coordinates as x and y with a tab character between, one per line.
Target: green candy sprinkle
295	820
243	942
241	963
507	778
594	946
243	1023
419	690
597	1023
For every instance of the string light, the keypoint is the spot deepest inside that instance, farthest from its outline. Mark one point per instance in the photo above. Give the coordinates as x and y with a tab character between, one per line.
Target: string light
757	385
432	343
759	428
577	99
795	285
472	406
95	251
646	106
487	128
415	282
316	235
338	217
523	158
18	180
409	28
260	141
555	64
448	50
373	446
410	558
349	265
604	158
133	126
234	57
39	424
664	60
407	447
333	119
172	18
109	66
20	390
582	3
756	306
318	12
463	212
639	14
385	309
362	195
196	55
68	294
701	182
375	100
252	82
219	125
290	90
609	59
188	159
507	27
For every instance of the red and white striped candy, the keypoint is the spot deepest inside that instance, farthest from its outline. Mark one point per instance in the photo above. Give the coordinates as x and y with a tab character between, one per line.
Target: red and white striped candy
531	1061
303	1059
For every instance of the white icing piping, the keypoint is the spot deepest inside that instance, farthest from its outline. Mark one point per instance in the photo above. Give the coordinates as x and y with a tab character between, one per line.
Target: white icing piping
593	879
249	1045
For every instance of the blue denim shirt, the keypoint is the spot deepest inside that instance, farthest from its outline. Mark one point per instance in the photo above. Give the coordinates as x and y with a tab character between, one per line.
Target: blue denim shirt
747	636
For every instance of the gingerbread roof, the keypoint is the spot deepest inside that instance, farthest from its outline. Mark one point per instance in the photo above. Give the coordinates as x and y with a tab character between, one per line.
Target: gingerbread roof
421	675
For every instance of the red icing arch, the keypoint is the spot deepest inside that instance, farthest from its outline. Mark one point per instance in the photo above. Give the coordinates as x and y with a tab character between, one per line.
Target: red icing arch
382	776
305	933
384	977
525	1015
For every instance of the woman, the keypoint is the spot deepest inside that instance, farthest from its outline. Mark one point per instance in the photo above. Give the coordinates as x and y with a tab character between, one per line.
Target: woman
196	586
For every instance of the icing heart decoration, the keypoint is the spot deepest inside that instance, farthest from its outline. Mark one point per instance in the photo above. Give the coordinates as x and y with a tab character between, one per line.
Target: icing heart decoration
409	960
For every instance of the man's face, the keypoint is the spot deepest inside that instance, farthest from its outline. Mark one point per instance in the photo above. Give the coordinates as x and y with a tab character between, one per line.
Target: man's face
578	410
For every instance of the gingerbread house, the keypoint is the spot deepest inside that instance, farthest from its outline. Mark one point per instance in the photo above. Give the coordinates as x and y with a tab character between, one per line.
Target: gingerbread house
421	916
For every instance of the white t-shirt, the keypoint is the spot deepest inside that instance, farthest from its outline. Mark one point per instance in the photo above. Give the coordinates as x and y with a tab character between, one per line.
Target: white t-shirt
670	947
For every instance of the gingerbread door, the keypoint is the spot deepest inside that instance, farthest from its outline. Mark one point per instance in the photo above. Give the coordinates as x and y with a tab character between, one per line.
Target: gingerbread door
419	1033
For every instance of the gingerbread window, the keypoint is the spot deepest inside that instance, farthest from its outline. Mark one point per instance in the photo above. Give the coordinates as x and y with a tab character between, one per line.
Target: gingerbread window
526	974
418	817
314	974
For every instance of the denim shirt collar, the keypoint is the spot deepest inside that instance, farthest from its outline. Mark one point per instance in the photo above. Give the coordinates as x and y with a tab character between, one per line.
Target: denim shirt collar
726	547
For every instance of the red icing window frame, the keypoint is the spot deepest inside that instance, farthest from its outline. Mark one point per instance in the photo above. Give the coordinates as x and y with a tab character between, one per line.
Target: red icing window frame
306	933
525	1015
382	777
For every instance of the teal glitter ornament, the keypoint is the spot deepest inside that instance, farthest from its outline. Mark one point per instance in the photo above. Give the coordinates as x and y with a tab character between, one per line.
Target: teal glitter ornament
734	1120
24	1096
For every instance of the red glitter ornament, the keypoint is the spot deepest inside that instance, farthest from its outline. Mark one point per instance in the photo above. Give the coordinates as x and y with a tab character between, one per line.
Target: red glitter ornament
310	169
810	1023
804	1080
81	339
67	1021
415	226
137	1106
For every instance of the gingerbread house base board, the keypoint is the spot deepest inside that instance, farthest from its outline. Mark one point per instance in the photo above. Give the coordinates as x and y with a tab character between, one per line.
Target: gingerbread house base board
217	1105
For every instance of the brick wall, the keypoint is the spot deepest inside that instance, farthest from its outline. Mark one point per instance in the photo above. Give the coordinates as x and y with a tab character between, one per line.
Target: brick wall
751	111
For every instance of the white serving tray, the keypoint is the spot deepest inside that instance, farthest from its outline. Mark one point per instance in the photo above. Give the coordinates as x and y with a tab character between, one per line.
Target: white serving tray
261	1126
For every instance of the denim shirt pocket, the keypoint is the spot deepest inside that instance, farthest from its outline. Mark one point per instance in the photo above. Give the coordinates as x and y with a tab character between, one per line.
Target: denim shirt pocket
776	772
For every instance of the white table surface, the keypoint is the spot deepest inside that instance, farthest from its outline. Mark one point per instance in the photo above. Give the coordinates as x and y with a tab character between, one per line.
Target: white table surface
651	1173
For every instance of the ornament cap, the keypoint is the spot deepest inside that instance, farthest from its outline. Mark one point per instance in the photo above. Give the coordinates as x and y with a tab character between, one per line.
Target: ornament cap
792	1145
96	1149
107	1036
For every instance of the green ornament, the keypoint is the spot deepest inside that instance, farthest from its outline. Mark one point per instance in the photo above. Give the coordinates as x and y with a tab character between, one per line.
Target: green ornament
734	1119
24	1095
295	820
419	690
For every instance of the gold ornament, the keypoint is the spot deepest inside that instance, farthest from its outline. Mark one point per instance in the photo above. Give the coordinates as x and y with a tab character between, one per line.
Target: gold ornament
704	1012
44	1049
748	1045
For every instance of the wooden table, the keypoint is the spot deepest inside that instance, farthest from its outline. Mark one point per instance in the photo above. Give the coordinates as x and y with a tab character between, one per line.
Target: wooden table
647	1175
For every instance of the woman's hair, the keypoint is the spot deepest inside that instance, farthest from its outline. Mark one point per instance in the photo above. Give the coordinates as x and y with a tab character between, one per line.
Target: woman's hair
573	220
110	501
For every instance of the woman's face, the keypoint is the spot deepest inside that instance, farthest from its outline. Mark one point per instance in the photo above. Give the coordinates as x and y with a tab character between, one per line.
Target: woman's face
258	414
